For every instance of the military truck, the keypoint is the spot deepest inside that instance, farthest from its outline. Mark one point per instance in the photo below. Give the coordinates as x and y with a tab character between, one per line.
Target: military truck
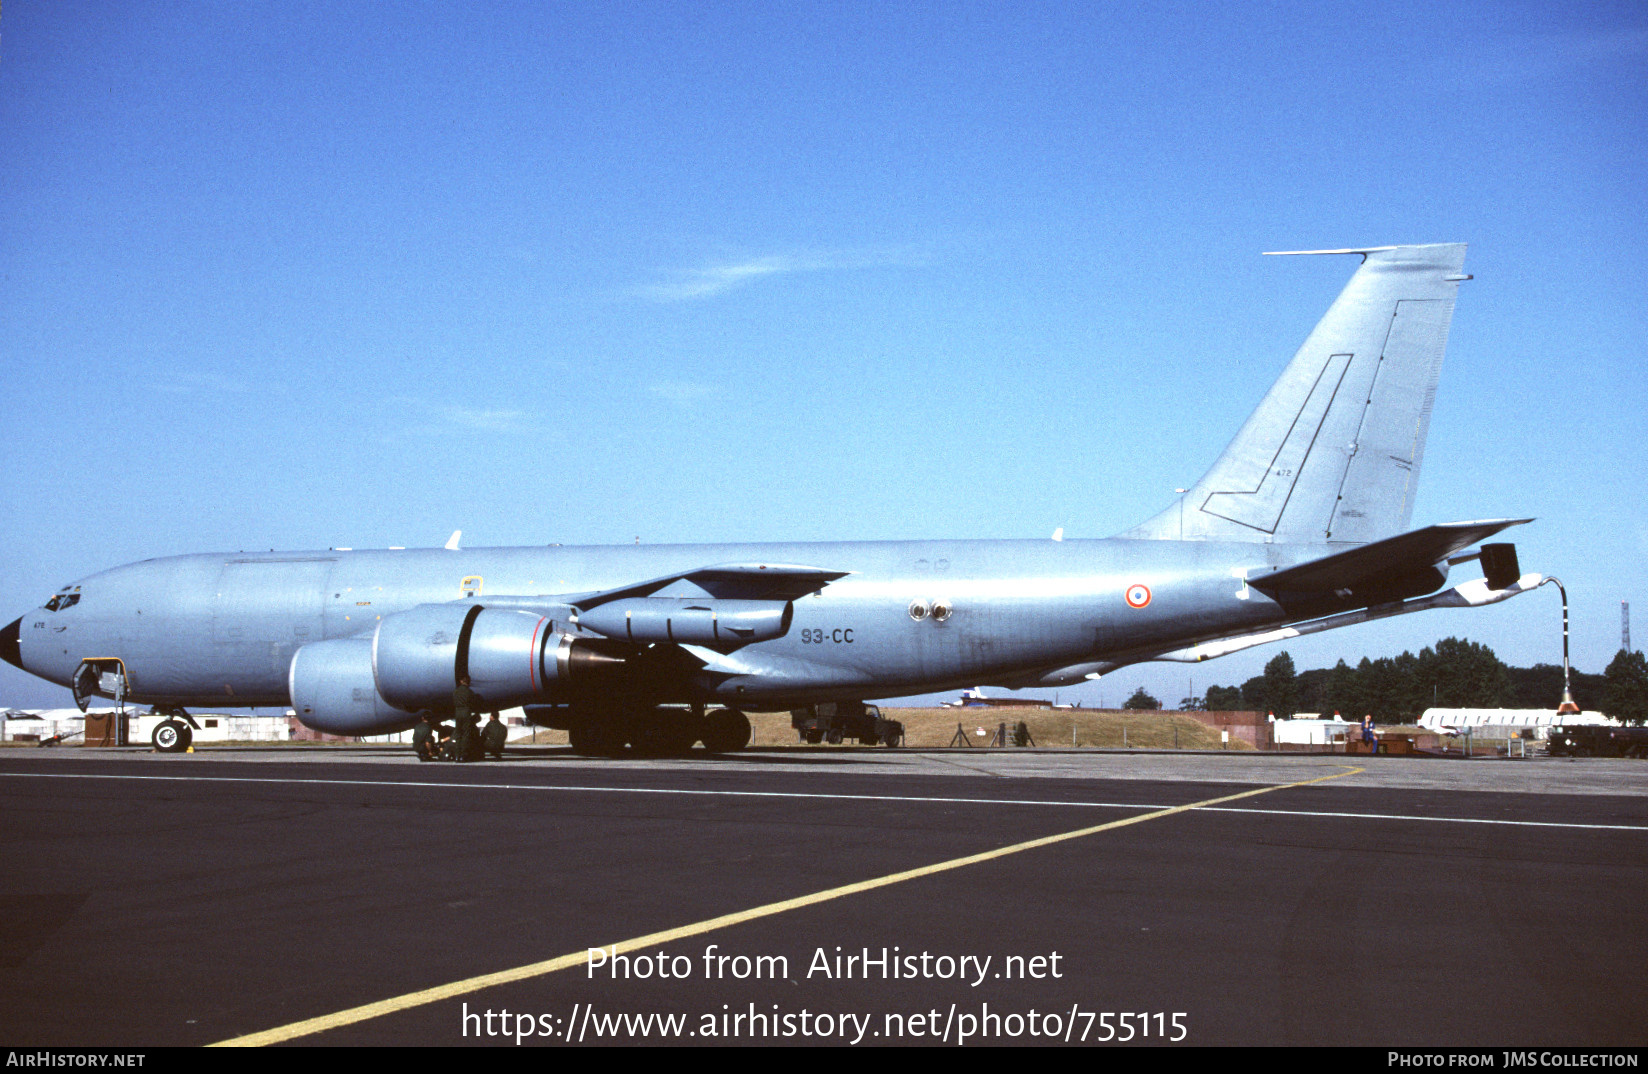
834	721
1585	741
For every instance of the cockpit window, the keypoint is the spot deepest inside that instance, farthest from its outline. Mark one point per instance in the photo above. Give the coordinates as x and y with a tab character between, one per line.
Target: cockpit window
66	599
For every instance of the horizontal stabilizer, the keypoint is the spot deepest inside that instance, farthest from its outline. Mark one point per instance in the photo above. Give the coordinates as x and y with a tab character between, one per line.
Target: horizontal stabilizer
1473	594
1345	250
1391	558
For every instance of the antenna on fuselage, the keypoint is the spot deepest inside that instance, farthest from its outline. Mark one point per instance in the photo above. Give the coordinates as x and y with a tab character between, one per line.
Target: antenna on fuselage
452	541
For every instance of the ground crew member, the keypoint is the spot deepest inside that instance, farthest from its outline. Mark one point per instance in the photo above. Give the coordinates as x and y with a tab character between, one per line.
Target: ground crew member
467	747
423	738
493	737
1367	734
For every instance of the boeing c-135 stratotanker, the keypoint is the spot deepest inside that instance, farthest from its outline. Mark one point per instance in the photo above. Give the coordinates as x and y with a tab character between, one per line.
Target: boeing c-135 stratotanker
1299	526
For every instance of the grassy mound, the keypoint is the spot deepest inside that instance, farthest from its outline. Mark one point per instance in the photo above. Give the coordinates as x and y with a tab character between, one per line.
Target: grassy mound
1107	728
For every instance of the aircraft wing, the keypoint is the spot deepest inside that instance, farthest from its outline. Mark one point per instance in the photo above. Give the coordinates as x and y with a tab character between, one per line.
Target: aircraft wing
725	581
722	606
1391	558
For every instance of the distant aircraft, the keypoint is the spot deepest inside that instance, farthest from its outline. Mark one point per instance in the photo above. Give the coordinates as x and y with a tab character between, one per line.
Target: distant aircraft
1298	527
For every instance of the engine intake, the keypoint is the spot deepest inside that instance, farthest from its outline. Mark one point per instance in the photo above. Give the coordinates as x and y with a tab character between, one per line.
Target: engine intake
332	690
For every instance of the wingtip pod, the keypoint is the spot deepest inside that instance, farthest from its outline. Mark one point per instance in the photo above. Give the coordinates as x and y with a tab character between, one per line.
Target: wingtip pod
1332	453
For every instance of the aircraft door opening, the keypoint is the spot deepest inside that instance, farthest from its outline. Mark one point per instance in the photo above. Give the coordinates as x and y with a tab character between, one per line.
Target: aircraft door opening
103	676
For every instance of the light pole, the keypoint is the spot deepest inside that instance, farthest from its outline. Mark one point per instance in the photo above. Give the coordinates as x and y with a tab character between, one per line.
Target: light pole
1567	708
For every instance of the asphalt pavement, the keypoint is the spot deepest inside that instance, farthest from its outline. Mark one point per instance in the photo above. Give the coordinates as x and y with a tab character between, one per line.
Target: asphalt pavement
162	900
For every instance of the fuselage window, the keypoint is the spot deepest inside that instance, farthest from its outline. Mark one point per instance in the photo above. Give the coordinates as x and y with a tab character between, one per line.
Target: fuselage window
61	601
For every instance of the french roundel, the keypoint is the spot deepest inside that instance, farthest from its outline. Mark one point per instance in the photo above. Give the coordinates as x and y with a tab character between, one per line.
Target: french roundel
1138	596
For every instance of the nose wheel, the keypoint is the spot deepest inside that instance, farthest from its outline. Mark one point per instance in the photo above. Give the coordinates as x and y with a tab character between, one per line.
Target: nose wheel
172	736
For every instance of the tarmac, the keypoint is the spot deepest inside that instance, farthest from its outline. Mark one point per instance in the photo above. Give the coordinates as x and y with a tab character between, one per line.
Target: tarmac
354	896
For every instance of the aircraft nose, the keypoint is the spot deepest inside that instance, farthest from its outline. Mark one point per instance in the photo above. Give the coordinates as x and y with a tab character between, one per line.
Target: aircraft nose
11	647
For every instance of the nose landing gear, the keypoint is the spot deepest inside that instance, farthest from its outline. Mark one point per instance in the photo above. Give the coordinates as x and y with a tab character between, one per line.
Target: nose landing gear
175	733
172	736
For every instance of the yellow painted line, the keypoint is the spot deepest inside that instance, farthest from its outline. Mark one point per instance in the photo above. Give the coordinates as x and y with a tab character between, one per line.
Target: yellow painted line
310	1026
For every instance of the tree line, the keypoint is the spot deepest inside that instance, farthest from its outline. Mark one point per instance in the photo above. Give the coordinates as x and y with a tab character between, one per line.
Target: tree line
1455	673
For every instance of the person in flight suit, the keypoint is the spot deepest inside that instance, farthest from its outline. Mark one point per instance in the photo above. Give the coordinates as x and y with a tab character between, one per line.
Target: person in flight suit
423	738
493	737
468	744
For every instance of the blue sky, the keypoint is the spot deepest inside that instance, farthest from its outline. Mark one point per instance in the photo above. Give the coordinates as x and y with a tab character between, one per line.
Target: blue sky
301	275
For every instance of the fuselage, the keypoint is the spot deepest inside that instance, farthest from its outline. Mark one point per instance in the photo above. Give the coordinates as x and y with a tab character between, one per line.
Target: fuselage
1327	463
221	629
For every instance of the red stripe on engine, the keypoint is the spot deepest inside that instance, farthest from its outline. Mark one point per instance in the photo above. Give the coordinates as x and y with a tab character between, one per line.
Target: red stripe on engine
537	654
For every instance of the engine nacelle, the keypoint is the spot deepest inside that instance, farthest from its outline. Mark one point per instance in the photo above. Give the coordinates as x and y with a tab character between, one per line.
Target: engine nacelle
511	657
719	624
332	690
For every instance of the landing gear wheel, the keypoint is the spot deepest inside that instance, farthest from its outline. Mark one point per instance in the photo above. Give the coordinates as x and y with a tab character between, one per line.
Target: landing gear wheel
662	733
172	736
600	735
726	731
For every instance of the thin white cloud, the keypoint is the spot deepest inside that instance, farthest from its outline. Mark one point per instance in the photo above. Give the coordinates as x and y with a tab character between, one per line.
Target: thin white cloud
717	278
475	418
681	392
494	419
711	280
190	381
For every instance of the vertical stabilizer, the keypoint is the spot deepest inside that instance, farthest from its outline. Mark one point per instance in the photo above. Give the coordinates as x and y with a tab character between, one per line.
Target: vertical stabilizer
1333	452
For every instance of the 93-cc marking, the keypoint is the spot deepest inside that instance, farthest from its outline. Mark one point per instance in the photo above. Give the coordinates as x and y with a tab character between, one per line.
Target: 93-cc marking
840	636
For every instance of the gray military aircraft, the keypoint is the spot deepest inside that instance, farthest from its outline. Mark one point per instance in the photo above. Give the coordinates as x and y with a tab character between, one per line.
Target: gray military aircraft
1300	526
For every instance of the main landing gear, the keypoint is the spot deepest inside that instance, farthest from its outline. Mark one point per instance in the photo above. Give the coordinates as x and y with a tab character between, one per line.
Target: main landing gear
726	731
658	732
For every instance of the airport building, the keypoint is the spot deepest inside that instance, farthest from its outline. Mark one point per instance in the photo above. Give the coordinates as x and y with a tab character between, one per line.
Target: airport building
1308	729
1507	723
68	726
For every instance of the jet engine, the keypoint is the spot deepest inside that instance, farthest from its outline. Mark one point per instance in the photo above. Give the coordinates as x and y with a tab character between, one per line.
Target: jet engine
511	657
412	662
332	690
